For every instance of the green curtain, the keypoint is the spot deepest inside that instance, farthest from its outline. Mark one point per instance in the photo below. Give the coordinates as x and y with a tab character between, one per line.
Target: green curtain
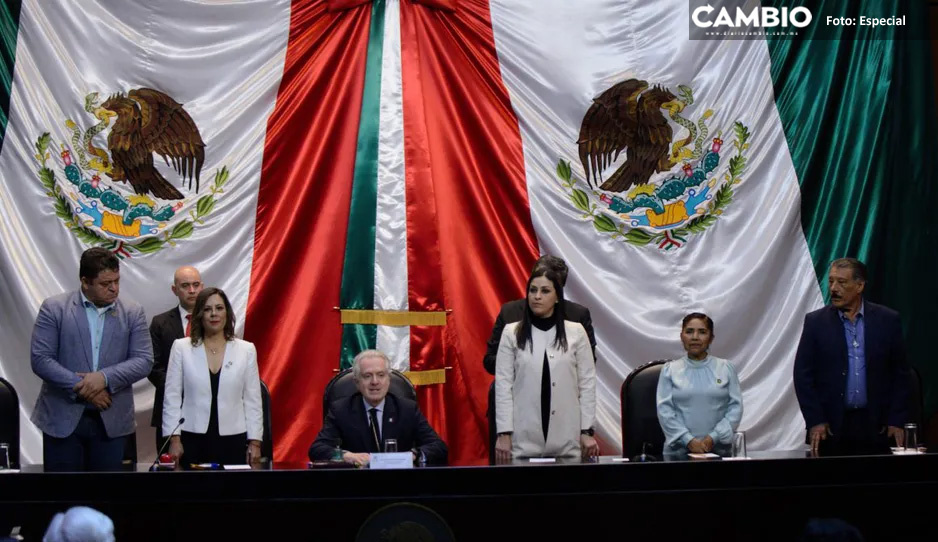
859	116
358	271
9	22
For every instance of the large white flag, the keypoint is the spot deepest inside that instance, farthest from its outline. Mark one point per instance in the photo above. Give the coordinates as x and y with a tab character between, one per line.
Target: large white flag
717	230
223	64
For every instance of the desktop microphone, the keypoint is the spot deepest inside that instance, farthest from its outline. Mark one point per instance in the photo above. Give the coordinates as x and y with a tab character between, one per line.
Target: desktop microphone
644	457
165	442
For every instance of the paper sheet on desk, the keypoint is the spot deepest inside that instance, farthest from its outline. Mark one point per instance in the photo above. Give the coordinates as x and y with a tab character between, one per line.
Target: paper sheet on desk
392	460
237	467
907	451
543	460
708	455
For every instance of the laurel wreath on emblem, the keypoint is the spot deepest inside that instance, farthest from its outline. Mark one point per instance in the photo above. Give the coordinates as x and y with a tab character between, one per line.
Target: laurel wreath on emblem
665	213
148	121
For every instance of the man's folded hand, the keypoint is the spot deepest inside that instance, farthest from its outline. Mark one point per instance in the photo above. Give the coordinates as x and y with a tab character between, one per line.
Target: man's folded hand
101	400
90	385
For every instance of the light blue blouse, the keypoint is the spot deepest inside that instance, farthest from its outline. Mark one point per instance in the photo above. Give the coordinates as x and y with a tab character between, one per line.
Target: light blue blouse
696	399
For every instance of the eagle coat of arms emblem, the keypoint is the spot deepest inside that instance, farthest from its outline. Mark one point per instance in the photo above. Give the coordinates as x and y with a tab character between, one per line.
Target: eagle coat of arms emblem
115	196
634	119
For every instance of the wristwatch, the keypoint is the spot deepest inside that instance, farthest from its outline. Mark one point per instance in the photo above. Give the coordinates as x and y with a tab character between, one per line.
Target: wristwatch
589	431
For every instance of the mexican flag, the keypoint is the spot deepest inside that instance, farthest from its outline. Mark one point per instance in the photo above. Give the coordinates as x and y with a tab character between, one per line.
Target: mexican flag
382	174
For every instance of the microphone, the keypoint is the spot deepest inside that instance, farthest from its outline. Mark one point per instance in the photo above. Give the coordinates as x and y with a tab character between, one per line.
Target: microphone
644	457
165	443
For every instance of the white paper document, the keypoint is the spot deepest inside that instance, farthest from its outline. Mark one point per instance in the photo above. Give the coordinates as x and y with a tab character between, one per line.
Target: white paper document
704	456
396	460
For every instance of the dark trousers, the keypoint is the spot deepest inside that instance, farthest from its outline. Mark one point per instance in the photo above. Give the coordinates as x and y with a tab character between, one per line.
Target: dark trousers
88	448
491	416
857	436
160	440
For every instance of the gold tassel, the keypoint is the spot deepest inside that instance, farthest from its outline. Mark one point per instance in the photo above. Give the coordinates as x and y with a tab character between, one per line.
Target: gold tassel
424	378
393	318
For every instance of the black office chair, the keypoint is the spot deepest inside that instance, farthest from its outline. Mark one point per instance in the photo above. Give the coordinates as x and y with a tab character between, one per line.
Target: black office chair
343	385
267	443
10	421
640	427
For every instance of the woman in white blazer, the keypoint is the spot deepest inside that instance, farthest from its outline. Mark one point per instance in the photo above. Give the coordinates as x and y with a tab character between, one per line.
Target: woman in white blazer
545	379
212	384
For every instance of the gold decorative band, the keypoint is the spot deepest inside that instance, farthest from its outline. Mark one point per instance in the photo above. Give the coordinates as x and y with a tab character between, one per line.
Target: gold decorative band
393	318
423	378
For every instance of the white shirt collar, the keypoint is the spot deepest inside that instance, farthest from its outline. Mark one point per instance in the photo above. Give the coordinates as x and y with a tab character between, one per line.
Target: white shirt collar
182	315
380	406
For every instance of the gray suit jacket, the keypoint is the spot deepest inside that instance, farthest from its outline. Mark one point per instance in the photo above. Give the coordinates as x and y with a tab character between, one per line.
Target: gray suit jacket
61	347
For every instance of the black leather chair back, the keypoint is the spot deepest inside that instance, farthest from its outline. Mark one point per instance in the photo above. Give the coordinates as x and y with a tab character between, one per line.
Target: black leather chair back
267	443
640	411
10	421
343	385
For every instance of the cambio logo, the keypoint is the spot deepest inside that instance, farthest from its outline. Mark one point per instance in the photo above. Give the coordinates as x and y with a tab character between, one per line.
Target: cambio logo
764	17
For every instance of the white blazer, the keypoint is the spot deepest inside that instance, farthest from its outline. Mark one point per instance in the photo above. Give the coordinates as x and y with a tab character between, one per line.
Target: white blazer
518	393
189	392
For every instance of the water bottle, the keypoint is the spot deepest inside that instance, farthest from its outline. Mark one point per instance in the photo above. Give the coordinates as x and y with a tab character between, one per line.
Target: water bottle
337	453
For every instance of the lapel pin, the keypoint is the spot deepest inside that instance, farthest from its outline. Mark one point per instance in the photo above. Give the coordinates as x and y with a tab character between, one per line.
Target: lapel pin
719	381
390	420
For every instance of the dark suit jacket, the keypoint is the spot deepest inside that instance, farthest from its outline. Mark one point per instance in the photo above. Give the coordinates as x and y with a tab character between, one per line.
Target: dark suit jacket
821	368
512	312
347	426
164	329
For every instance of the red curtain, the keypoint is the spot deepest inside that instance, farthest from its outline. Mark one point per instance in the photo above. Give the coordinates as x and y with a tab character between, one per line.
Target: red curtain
302	214
470	237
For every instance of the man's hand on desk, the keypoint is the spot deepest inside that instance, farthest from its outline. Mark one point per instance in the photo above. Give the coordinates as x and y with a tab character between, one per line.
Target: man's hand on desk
359	460
818	433
897	433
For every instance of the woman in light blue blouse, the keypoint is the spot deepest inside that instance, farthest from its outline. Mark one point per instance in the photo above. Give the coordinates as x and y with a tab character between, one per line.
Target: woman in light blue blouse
699	401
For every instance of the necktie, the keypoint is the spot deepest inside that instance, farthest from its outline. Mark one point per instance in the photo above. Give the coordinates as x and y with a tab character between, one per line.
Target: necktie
375	430
188	324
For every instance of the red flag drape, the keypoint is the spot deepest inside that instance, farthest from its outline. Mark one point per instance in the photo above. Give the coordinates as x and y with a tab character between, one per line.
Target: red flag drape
470	237
302	215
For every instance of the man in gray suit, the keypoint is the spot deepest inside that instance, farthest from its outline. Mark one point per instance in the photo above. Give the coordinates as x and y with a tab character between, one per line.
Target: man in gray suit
88	347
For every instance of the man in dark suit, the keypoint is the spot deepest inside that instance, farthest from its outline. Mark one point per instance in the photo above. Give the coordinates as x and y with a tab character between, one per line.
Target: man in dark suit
89	348
358	425
166	328
851	375
512	312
